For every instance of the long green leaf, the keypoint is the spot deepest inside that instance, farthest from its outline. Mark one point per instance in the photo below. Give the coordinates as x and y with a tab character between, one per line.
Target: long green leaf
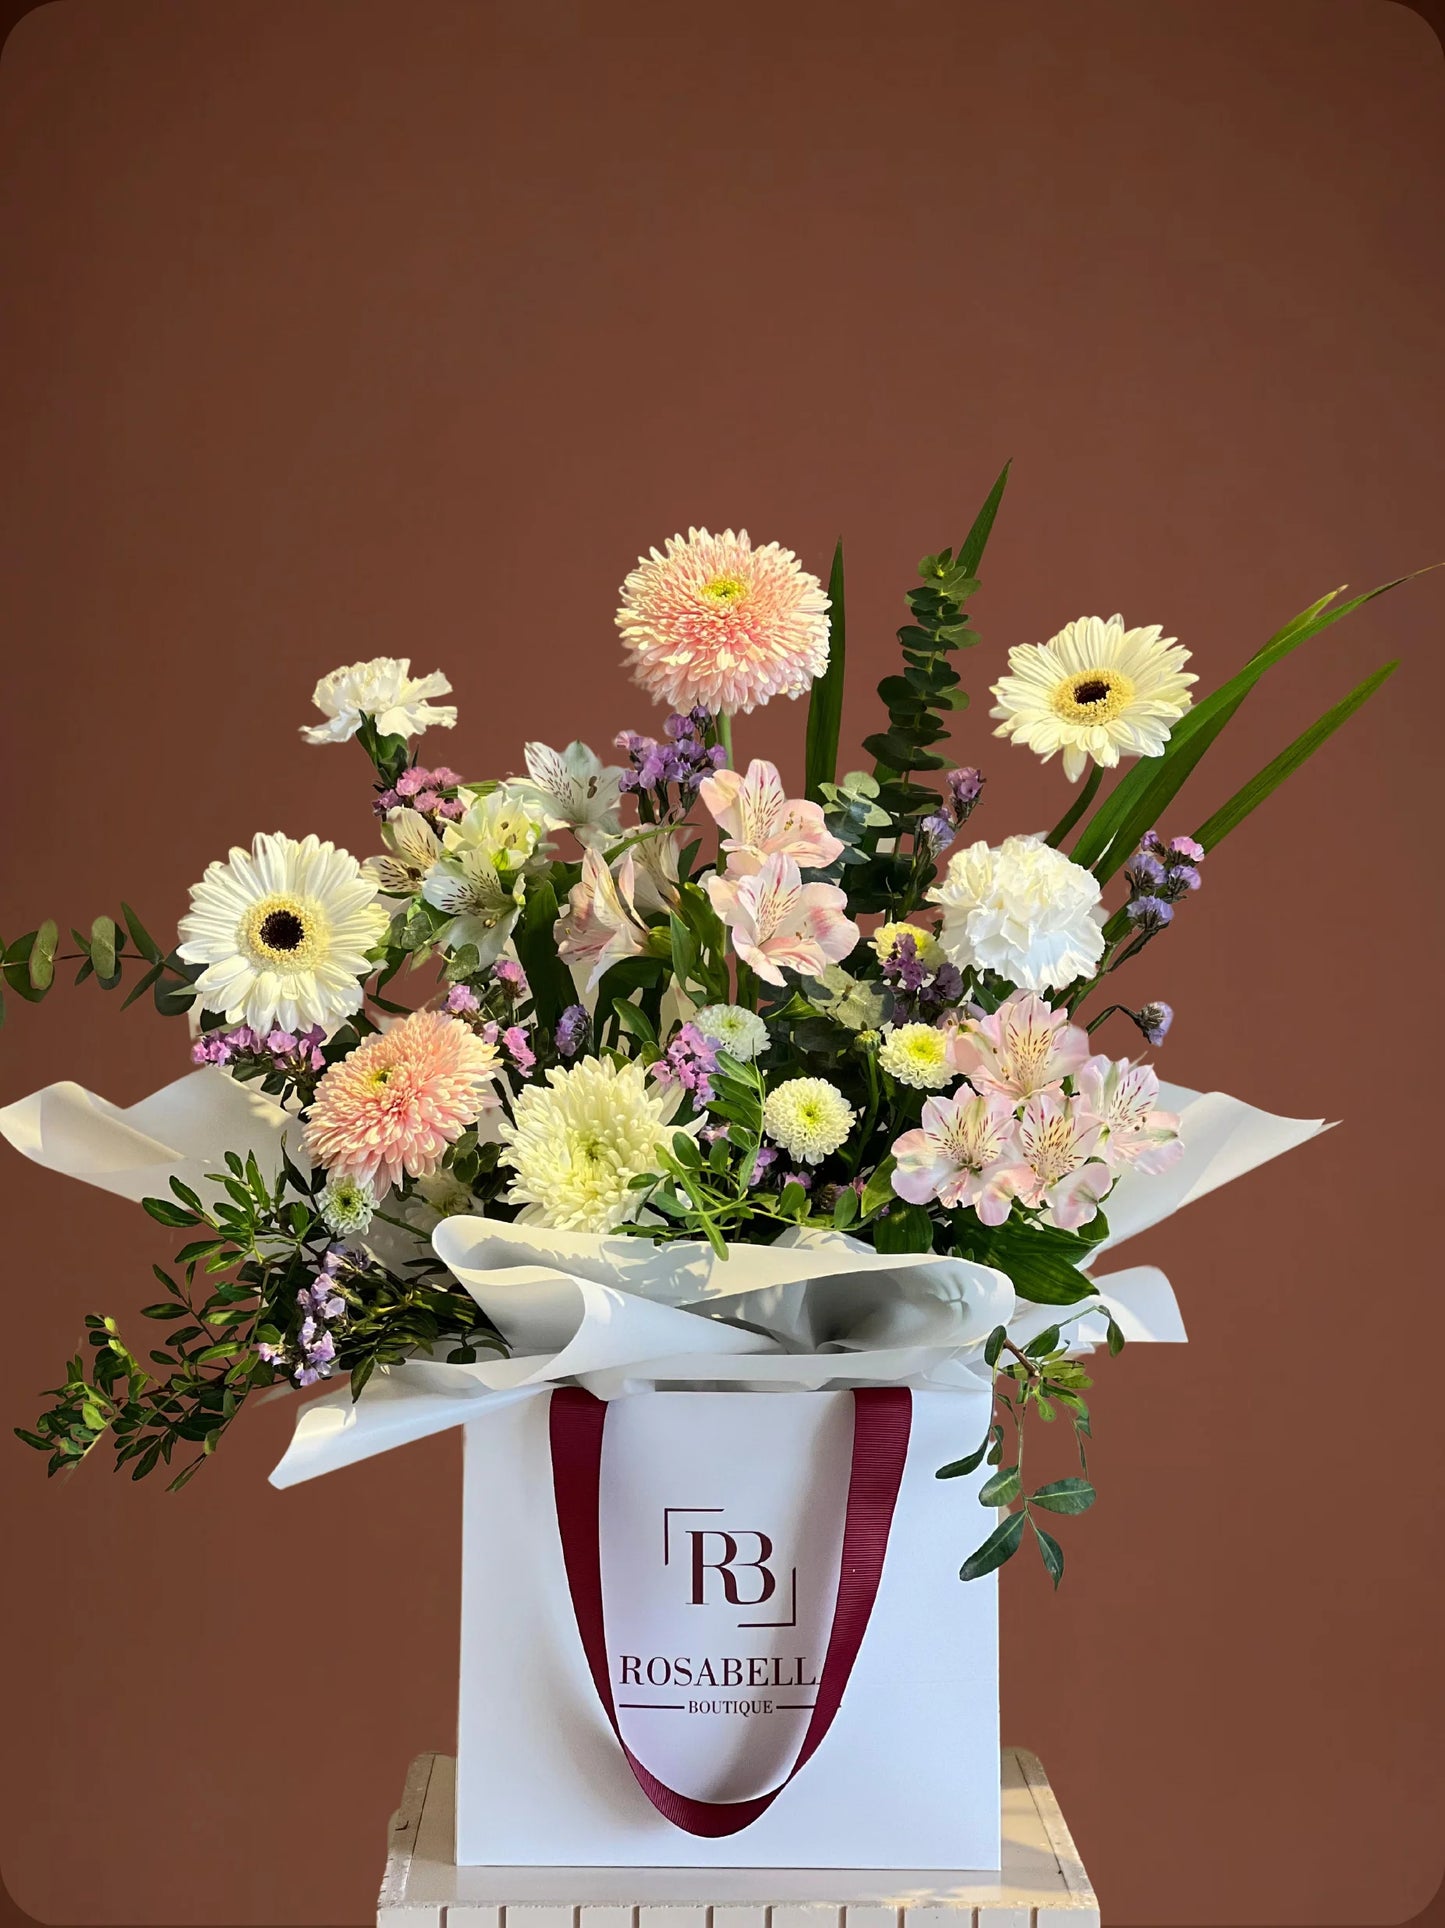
1135	803
548	976
825	705
971	554
1229	815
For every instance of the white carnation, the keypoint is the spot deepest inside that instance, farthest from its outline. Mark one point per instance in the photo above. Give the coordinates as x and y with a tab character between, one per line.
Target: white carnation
1024	911
385	689
741	1033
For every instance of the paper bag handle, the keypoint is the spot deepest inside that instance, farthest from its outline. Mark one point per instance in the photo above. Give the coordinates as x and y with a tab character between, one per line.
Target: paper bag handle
882	1418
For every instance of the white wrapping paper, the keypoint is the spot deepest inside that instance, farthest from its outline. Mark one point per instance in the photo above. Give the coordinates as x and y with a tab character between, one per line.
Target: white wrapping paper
818	1310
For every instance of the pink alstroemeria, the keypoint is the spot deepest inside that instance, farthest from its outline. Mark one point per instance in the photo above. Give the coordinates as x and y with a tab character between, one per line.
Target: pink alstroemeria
1062	1167
961	1155
762	821
778	921
1020	1049
1126	1096
601	925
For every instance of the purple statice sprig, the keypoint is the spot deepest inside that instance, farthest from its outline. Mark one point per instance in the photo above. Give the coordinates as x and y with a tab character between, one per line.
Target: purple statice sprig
573	1027
311	1356
920	991
1153	1020
294	1056
432	793
689	1061
680	761
1159	874
961	792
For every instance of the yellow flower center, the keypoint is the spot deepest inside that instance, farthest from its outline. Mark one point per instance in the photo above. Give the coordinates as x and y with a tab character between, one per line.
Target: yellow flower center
1093	696
285	931
725	590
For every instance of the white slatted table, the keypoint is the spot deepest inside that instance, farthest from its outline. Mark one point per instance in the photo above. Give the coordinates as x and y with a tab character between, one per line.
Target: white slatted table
1042	1883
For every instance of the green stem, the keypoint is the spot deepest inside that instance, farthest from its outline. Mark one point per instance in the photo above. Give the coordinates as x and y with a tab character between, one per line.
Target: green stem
725	735
1077	808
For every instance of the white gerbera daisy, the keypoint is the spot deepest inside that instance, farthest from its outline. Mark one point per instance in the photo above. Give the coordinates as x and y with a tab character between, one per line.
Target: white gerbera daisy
580	1140
917	1055
808	1117
741	1033
1096	690
283	931
384	689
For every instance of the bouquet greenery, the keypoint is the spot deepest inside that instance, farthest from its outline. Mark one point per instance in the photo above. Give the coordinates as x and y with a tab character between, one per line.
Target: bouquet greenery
677	997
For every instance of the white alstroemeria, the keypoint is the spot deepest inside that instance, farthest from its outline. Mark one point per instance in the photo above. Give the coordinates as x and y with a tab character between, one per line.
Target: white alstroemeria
657	876
571	789
481	904
505	829
415	848
600	925
385	690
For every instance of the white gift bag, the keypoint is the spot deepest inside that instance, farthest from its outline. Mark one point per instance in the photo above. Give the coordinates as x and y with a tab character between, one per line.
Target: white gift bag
727	1629
741	1639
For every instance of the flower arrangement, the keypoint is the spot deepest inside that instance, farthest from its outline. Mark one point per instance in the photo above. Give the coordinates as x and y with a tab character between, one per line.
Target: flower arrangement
683	996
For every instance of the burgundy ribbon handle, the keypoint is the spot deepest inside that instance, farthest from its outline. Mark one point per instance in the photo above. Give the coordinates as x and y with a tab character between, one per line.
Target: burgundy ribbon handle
882	1418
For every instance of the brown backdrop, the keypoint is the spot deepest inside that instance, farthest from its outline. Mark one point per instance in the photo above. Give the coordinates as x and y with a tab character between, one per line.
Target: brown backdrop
335	329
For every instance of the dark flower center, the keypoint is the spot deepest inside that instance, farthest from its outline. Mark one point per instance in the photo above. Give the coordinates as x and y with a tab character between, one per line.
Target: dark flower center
282	930
1094	691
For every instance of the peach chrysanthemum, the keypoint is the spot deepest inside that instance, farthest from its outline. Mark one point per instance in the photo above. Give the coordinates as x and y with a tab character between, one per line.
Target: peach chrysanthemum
394	1105
720	625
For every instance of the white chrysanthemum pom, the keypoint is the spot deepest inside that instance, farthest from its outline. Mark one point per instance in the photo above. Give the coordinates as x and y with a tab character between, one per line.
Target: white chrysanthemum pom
741	1033
808	1117
1023	910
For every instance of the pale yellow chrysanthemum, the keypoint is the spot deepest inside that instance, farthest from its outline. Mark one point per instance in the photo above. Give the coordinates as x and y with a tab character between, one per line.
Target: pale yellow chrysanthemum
580	1140
917	1055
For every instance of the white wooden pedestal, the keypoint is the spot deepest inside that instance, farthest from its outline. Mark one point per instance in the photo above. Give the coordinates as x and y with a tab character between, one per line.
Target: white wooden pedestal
1042	1883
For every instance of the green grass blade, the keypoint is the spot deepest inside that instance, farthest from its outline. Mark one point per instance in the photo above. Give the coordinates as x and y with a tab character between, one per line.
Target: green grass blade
1252	794
825	705
1134	804
971	553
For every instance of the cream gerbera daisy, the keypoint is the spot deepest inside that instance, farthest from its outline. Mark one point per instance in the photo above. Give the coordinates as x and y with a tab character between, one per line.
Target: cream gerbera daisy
1096	690
580	1140
283	931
